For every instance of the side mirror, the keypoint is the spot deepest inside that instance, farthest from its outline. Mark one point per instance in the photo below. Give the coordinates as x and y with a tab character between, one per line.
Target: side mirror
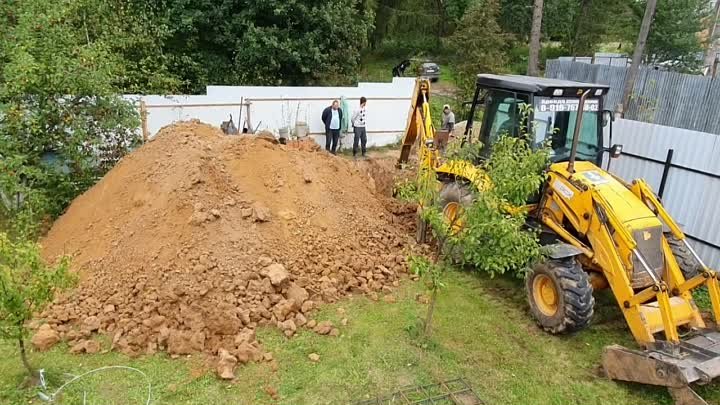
607	117
615	151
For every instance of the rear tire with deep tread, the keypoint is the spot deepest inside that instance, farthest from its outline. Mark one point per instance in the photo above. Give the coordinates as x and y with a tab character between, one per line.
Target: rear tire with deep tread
575	301
685	259
455	192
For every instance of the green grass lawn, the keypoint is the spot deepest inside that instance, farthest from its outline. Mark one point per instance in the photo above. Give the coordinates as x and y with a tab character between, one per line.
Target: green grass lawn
376	69
482	332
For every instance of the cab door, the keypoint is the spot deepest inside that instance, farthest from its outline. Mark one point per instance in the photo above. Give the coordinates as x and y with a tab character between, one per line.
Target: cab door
502	116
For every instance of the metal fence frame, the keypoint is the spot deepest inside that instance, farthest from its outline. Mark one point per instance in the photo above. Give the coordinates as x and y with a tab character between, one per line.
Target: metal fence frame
659	97
682	167
667	166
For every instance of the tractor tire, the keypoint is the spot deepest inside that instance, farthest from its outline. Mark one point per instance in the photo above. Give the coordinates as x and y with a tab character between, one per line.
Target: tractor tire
453	198
450	193
453	192
560	295
685	260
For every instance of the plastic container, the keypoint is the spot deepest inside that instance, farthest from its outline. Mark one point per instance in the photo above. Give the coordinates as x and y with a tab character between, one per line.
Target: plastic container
301	129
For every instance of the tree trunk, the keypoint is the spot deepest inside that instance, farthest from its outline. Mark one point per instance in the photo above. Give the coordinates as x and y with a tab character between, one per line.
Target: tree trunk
713	46
430	312
383	11
580	25
442	19
534	57
637	56
23	356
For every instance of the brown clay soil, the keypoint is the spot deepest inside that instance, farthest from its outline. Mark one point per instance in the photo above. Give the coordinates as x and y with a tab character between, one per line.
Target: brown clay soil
196	238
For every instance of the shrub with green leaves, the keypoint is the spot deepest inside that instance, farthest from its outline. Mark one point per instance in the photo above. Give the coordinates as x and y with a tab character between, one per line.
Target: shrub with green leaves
494	237
405	190
59	108
26	286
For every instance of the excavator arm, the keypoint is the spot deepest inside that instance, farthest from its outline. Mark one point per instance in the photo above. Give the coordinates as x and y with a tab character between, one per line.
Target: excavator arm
419	126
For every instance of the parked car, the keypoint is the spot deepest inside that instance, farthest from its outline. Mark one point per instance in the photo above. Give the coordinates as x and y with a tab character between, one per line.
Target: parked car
425	69
430	70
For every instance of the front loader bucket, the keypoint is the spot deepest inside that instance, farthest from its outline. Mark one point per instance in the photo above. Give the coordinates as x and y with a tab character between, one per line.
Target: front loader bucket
696	359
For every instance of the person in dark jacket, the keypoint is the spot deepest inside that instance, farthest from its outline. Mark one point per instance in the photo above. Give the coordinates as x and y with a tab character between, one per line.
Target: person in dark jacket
332	116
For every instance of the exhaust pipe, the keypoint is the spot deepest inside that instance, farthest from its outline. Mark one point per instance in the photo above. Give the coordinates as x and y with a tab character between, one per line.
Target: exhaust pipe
576	133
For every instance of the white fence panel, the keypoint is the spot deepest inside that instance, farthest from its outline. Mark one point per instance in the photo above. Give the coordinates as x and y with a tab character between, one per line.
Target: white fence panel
272	108
690	197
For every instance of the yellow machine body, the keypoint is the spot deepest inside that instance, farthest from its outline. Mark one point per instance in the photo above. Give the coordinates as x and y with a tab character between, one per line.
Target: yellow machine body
621	231
601	216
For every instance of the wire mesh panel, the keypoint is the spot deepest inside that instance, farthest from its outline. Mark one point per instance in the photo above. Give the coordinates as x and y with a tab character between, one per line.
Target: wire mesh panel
452	392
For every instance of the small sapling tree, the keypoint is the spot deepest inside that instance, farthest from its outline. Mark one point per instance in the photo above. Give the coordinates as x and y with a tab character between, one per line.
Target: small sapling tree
487	231
26	286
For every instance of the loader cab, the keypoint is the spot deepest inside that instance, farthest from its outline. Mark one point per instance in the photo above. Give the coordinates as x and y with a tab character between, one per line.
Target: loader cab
544	110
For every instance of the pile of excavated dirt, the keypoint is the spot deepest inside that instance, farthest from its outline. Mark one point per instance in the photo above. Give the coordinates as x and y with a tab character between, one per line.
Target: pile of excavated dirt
196	238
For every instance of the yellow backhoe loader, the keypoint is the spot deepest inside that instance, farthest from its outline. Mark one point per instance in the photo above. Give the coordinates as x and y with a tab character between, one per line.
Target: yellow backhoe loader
600	231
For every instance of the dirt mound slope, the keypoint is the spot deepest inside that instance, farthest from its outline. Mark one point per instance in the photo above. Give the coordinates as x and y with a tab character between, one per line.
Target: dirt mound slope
196	238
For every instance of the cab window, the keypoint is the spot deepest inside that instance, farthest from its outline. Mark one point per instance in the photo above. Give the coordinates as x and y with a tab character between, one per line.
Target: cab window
503	113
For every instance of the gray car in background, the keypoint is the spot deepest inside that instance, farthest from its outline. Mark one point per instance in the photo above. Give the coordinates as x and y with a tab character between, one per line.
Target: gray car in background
430	70
424	69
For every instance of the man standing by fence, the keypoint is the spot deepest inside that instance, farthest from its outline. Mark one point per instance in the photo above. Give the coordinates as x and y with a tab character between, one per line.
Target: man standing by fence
332	117
358	122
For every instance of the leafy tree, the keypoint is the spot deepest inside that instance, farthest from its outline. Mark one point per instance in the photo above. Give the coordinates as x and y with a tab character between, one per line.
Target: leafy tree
515	18
26	286
674	37
493	238
479	44
456	9
404	28
128	29
579	26
300	41
59	112
268	42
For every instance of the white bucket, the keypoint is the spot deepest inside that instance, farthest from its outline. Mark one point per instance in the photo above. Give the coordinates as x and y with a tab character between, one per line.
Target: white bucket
301	129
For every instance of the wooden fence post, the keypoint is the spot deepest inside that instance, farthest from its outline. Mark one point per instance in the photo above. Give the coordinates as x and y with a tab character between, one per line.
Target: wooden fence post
143	119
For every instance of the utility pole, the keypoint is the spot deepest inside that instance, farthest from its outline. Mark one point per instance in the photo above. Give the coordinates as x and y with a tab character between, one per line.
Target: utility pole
637	56
534	57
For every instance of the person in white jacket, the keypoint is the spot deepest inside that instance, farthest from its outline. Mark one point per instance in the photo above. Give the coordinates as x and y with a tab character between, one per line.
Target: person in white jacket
358	123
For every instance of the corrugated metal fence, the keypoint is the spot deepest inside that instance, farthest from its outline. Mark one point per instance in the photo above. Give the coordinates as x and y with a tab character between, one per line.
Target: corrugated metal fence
664	98
692	188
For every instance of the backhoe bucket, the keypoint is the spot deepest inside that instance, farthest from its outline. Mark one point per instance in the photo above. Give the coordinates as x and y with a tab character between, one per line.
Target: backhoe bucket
695	359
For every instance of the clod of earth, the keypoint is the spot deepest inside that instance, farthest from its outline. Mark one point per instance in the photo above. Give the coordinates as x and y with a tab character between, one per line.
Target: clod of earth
226	365
277	274
323	328
85	346
261	212
390	299
45	338
272	392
